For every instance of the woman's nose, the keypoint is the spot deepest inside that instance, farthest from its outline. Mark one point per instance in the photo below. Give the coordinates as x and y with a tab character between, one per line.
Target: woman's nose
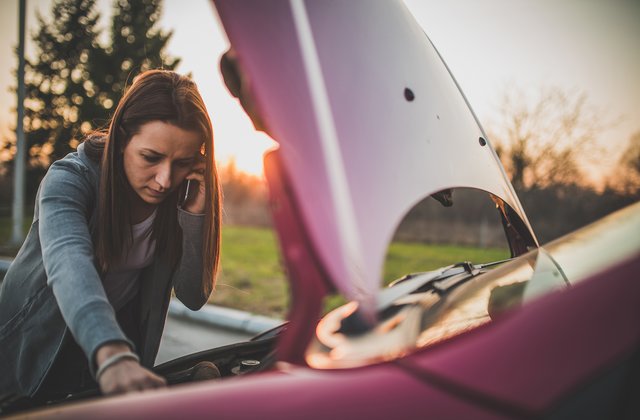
163	177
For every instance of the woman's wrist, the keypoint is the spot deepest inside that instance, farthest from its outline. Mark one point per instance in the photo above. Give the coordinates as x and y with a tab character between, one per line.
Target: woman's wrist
111	349
115	359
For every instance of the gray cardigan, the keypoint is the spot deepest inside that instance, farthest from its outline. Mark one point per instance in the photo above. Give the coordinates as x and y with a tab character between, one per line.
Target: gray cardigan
53	288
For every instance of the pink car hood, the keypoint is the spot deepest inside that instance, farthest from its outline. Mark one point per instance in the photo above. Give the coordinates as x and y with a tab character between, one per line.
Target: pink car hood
368	119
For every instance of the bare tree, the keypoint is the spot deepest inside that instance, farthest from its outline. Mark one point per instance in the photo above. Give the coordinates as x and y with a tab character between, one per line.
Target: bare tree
245	197
626	176
542	139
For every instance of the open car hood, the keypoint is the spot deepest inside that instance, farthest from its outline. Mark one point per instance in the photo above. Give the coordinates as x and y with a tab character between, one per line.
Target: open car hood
369	122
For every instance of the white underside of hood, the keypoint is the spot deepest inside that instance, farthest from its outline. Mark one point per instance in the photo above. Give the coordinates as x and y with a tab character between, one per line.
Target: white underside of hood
368	119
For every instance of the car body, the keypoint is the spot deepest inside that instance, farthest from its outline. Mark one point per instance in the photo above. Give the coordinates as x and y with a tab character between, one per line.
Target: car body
364	133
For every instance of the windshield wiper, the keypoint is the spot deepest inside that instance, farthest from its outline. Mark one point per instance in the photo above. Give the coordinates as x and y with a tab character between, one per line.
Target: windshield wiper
440	281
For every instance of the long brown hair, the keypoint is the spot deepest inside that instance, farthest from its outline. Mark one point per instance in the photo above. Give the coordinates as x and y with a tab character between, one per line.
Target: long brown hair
155	95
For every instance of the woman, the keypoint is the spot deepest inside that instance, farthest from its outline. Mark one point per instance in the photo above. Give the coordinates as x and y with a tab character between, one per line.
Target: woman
130	215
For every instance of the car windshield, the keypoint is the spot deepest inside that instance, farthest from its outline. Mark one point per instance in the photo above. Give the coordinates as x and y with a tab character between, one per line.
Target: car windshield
486	297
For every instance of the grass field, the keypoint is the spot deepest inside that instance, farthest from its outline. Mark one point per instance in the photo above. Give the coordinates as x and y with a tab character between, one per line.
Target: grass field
252	278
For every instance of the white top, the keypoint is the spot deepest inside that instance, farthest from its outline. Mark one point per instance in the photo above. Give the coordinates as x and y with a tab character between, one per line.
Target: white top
121	281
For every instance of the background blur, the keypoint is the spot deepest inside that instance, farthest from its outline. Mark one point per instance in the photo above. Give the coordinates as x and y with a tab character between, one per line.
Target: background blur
554	84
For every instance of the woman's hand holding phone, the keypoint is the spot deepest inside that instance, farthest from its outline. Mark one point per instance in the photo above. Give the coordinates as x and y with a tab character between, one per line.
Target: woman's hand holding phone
195	191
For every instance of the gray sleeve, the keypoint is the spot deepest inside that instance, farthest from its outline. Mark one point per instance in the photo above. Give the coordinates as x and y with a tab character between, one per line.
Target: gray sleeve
189	283
67	251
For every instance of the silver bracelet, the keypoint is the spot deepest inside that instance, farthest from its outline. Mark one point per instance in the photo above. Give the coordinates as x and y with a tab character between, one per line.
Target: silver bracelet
113	360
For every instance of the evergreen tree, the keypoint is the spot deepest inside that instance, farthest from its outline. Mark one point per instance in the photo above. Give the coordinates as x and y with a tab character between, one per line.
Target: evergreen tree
57	99
136	42
74	82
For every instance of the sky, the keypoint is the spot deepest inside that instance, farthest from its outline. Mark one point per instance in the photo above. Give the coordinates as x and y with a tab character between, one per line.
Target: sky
591	46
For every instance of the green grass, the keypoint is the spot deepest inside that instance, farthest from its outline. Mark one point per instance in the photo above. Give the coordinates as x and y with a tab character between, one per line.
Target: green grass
404	258
251	276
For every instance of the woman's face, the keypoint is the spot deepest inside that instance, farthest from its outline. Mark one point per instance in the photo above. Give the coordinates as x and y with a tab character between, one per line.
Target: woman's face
158	158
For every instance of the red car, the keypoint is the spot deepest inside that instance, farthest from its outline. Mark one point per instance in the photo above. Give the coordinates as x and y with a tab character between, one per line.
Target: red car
369	122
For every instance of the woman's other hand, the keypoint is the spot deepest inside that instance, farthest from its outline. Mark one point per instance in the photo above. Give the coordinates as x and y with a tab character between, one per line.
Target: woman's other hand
196	195
126	375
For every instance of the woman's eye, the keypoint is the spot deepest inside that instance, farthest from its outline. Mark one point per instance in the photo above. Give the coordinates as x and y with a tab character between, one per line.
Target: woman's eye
185	163
151	159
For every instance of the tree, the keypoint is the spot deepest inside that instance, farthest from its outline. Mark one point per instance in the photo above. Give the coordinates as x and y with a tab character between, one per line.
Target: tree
6	181
137	45
542	140
57	99
626	177
73	81
245	196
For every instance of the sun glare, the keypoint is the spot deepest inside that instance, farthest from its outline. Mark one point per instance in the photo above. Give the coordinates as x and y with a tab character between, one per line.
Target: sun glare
246	151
